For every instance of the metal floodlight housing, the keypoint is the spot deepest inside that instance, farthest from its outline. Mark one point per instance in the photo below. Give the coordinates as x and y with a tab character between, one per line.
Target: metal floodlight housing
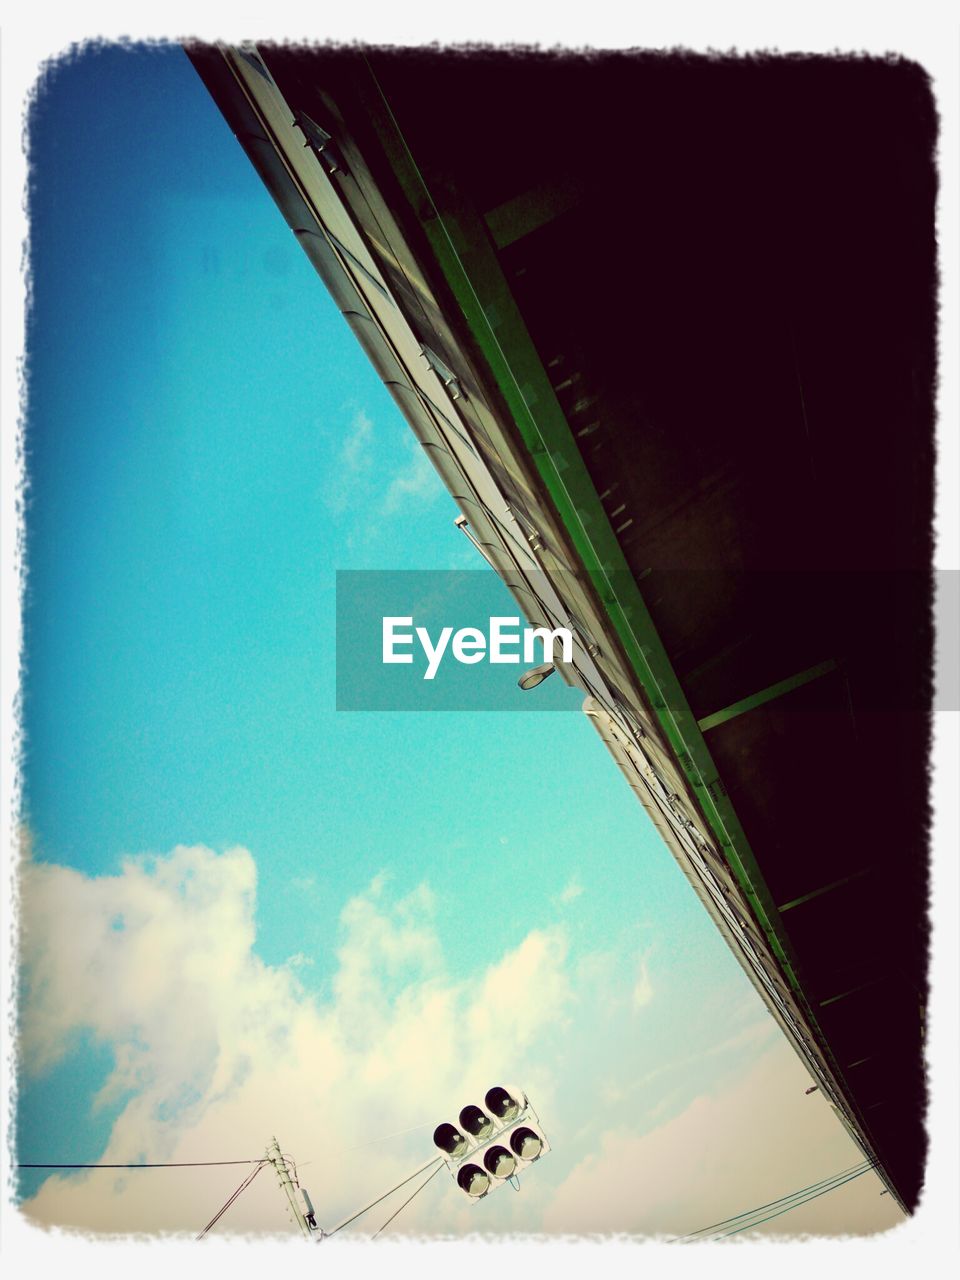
504	1104
450	1141
493	1143
476	1122
527	1142
473	1181
499	1161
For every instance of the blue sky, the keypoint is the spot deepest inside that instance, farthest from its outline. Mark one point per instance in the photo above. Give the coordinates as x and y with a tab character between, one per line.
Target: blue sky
207	445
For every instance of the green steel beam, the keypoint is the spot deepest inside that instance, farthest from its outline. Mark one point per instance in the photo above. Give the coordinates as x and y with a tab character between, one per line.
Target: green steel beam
516	218
766	695
827	888
852	992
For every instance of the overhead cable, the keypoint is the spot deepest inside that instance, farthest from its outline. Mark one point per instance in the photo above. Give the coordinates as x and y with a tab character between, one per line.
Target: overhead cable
781	1205
406	1202
242	1187
353	1217
177	1164
788	1207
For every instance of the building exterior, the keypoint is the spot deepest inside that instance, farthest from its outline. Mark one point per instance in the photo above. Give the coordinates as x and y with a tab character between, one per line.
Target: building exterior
665	328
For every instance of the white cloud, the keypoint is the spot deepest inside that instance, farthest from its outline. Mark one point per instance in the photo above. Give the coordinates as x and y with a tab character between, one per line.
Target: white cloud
416	482
724	1154
222	1050
360	478
643	988
109	954
355	451
348	480
216	1051
572	891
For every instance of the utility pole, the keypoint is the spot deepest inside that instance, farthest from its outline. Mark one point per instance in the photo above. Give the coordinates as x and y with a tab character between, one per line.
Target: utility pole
277	1159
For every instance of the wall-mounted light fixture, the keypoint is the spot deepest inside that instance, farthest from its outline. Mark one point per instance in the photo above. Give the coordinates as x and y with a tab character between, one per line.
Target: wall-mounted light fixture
536	675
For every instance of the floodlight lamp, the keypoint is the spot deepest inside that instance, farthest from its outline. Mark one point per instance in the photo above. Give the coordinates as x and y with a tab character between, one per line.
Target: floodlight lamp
476	1122
501	1103
526	1143
536	675
450	1140
473	1180
500	1162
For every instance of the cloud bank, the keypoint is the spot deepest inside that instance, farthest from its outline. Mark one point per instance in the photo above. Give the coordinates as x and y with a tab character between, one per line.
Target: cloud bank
220	1050
215	1051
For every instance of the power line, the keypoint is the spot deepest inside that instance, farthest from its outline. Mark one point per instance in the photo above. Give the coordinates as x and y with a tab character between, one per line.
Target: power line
782	1205
384	1136
242	1187
346	1222
179	1164
406	1202
859	1174
724	1222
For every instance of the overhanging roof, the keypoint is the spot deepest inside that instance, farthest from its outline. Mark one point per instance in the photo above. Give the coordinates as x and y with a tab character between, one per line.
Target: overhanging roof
676	316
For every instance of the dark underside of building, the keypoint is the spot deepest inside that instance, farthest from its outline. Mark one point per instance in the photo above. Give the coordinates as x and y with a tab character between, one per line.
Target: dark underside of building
725	270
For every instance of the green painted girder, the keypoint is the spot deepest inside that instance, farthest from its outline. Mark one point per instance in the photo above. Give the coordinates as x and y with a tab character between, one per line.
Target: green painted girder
766	695
460	241
527	213
826	888
872	982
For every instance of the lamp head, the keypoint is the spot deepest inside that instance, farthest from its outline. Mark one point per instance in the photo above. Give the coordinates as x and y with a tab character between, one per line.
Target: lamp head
536	675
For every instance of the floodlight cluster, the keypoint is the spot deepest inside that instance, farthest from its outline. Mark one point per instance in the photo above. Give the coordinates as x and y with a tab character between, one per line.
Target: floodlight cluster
493	1143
